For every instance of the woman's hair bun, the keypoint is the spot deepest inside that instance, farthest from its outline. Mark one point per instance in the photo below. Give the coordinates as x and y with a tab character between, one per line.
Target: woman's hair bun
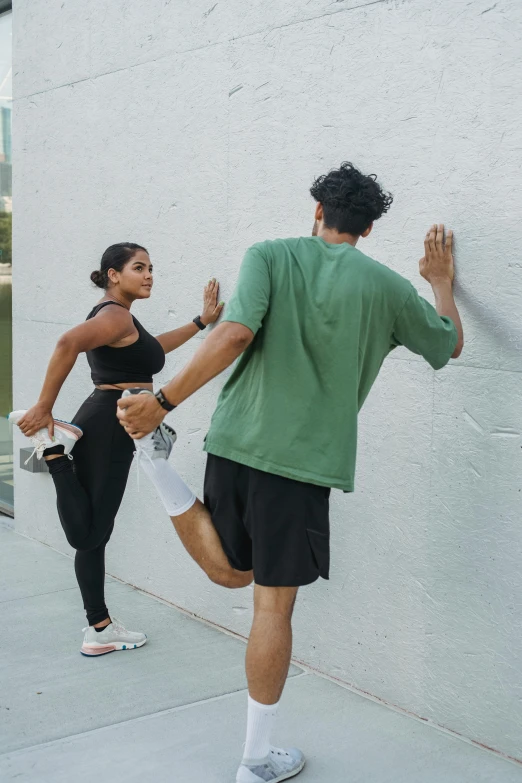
99	278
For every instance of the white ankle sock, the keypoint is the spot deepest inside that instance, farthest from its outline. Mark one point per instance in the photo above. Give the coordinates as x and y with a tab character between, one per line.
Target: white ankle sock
260	721
174	493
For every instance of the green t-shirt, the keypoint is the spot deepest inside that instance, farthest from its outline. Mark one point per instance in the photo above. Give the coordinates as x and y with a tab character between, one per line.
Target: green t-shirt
324	318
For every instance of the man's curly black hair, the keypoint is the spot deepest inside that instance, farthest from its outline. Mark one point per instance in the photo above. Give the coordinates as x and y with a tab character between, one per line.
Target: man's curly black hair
351	200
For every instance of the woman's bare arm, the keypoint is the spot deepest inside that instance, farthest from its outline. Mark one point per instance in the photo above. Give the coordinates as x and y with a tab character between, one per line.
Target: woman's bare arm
169	341
110	325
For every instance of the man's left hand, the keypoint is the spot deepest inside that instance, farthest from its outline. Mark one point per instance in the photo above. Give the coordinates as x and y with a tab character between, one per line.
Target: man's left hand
140	414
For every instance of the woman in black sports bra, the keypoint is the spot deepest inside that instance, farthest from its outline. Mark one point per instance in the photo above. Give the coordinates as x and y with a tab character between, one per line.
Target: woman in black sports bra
121	354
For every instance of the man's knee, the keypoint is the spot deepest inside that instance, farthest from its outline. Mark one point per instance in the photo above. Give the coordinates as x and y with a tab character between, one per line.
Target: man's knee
229	578
275	600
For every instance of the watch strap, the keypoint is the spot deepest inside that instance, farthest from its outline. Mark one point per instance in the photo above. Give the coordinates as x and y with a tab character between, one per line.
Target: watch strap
163	401
199	323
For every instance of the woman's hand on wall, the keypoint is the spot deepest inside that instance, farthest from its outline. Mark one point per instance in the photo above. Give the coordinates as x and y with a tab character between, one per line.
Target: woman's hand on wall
211	307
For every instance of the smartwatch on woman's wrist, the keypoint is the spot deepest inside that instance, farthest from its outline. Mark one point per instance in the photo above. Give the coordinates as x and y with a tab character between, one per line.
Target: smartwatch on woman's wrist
199	323
163	401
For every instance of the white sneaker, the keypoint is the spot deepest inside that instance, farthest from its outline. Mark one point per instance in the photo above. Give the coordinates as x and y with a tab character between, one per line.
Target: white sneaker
157	445
278	765
65	434
114	637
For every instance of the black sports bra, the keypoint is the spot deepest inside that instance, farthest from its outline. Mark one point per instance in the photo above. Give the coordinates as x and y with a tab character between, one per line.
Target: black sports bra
138	361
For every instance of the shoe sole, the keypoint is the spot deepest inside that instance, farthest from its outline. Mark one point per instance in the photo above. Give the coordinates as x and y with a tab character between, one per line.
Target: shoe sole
92	650
171	432
70	429
286	776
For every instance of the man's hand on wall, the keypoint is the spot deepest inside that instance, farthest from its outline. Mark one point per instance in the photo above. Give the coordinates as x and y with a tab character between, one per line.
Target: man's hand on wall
437	266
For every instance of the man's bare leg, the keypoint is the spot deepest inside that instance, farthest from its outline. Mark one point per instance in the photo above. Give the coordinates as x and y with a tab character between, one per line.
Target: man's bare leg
189	516
267	661
270	644
201	540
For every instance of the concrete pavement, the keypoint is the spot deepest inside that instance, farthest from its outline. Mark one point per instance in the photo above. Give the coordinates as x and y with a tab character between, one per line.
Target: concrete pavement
174	710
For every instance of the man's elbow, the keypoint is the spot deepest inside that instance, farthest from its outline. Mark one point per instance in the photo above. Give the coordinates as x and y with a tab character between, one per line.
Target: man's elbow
458	350
237	336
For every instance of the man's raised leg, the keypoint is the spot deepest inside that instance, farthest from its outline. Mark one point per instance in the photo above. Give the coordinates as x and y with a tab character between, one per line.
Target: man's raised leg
189	516
201	540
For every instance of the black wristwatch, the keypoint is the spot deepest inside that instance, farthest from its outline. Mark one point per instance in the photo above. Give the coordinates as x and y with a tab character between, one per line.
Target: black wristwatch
163	401
199	323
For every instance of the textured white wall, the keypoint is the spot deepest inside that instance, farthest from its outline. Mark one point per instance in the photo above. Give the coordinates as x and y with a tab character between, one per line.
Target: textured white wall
196	128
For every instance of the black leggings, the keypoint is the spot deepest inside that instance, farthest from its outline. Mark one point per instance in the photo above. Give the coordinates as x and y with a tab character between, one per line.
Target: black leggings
89	492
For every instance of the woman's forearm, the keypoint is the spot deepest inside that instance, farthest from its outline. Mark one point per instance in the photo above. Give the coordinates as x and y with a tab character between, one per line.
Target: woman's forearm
169	341
61	364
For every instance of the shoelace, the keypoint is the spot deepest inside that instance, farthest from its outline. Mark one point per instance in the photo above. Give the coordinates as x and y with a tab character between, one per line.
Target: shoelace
39	448
138	452
137	457
118	626
279	752
276	752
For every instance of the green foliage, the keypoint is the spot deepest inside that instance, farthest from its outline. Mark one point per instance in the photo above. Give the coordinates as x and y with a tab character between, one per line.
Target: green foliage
6	255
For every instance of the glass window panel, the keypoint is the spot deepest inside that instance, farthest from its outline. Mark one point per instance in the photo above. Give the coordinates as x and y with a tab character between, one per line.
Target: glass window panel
6	193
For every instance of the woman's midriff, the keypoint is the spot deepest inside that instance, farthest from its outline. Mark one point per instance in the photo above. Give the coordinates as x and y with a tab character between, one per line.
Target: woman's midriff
119	386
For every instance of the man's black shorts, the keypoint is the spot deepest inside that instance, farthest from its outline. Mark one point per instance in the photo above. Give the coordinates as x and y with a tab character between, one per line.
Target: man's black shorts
277	526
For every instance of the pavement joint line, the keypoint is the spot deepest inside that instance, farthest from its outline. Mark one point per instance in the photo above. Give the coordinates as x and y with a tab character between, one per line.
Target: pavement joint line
37	595
305	669
406	714
171	604
139	719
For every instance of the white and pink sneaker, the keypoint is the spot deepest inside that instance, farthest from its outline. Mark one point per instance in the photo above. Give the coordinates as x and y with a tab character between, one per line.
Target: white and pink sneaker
65	434
113	638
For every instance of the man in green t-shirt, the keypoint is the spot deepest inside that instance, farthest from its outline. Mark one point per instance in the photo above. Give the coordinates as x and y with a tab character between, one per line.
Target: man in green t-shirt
312	320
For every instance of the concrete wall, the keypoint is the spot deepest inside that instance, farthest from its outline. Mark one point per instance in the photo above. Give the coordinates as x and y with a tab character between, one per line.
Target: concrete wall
196	128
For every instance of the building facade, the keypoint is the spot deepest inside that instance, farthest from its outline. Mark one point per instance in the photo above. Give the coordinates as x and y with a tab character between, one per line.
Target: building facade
196	129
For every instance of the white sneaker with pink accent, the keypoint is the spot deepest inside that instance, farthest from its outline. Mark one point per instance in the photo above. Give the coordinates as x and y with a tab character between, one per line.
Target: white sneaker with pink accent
113	638
65	434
